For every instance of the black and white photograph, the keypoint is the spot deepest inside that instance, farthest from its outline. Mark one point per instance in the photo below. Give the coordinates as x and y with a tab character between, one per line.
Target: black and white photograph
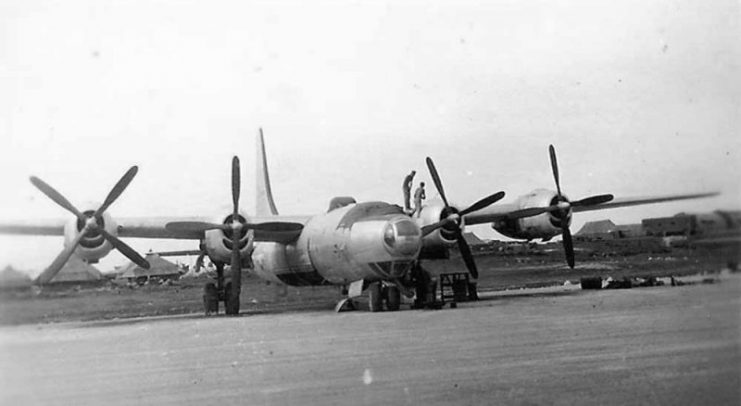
329	202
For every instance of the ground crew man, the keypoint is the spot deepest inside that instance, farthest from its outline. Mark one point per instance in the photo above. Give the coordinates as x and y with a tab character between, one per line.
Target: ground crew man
419	195
407	188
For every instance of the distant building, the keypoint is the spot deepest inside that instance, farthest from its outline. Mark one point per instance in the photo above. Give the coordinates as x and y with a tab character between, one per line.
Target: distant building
607	230
596	230
679	225
160	269
694	225
13	279
77	271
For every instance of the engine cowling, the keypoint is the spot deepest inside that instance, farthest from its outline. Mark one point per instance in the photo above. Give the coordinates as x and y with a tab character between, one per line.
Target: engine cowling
93	246
436	244
543	226
219	243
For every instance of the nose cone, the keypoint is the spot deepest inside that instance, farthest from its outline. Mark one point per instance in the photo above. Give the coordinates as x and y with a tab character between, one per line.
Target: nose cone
402	238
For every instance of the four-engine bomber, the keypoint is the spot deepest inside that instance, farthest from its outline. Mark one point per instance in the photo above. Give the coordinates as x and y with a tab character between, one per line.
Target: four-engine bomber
373	246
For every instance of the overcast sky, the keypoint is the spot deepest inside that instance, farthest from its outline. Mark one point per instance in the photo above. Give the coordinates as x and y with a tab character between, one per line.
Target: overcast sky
638	97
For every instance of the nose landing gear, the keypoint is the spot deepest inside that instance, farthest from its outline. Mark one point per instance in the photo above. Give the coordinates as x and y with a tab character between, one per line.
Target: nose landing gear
213	293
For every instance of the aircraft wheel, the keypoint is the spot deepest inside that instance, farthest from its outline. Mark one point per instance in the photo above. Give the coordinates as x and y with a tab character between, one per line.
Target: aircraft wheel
375	297
393	298
210	299
460	291
231	307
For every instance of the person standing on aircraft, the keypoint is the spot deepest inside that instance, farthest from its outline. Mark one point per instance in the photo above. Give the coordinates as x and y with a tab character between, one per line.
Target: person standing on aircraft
407	188
419	195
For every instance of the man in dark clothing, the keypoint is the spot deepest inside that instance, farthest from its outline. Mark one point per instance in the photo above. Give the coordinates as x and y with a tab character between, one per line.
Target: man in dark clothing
407	188
419	195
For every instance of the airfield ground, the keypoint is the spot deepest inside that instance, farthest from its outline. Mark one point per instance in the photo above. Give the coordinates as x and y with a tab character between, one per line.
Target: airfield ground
558	345
498	272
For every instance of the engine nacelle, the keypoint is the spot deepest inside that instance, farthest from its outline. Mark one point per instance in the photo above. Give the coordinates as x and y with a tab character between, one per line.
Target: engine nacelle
219	243
436	244
93	246
544	226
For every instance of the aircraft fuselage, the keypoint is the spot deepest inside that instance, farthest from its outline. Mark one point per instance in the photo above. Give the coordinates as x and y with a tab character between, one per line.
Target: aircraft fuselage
370	241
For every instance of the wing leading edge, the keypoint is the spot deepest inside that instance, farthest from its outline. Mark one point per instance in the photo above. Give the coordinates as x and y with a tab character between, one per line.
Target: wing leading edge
636	201
511	211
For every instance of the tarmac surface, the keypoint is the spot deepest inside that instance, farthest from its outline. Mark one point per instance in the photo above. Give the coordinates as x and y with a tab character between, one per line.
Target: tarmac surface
661	345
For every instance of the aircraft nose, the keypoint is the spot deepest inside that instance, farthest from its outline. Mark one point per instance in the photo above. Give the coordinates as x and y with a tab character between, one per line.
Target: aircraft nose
402	237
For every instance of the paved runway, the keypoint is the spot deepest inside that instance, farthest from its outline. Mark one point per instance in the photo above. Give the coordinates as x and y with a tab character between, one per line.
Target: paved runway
643	346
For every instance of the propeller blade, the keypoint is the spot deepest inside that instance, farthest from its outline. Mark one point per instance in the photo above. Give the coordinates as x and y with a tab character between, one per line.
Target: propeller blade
568	244
467	255
192	226
275	226
51	271
554	166
57	197
593	200
235	185
236	271
123	248
485	202
436	180
120	186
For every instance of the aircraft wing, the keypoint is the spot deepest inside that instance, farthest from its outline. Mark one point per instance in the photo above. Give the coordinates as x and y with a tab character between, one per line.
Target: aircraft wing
511	211
46	227
635	201
155	227
498	212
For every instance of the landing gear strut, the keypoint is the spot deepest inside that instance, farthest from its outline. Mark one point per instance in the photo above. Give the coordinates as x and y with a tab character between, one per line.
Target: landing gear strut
424	287
213	293
378	293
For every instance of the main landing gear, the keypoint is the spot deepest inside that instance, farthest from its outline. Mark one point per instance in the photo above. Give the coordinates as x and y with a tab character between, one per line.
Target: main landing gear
378	293
213	293
386	295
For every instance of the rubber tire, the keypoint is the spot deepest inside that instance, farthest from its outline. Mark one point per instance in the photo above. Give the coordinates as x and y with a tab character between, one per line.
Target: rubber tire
230	307
375	297
588	283
460	291
393	298
210	299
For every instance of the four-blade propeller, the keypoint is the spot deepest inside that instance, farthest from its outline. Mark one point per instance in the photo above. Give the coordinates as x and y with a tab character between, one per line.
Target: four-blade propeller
453	218
90	225
234	229
563	206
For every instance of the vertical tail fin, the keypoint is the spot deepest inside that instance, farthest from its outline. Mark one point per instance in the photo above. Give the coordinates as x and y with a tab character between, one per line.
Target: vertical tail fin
265	204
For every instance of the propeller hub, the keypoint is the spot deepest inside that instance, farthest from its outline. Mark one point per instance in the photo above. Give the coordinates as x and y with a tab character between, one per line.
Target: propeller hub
564	205
451	227
235	225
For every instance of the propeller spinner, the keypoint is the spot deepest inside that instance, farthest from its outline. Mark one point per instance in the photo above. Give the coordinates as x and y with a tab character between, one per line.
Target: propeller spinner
453	221
90	225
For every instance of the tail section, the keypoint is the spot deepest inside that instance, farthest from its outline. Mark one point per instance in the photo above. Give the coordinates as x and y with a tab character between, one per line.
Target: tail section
265	204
